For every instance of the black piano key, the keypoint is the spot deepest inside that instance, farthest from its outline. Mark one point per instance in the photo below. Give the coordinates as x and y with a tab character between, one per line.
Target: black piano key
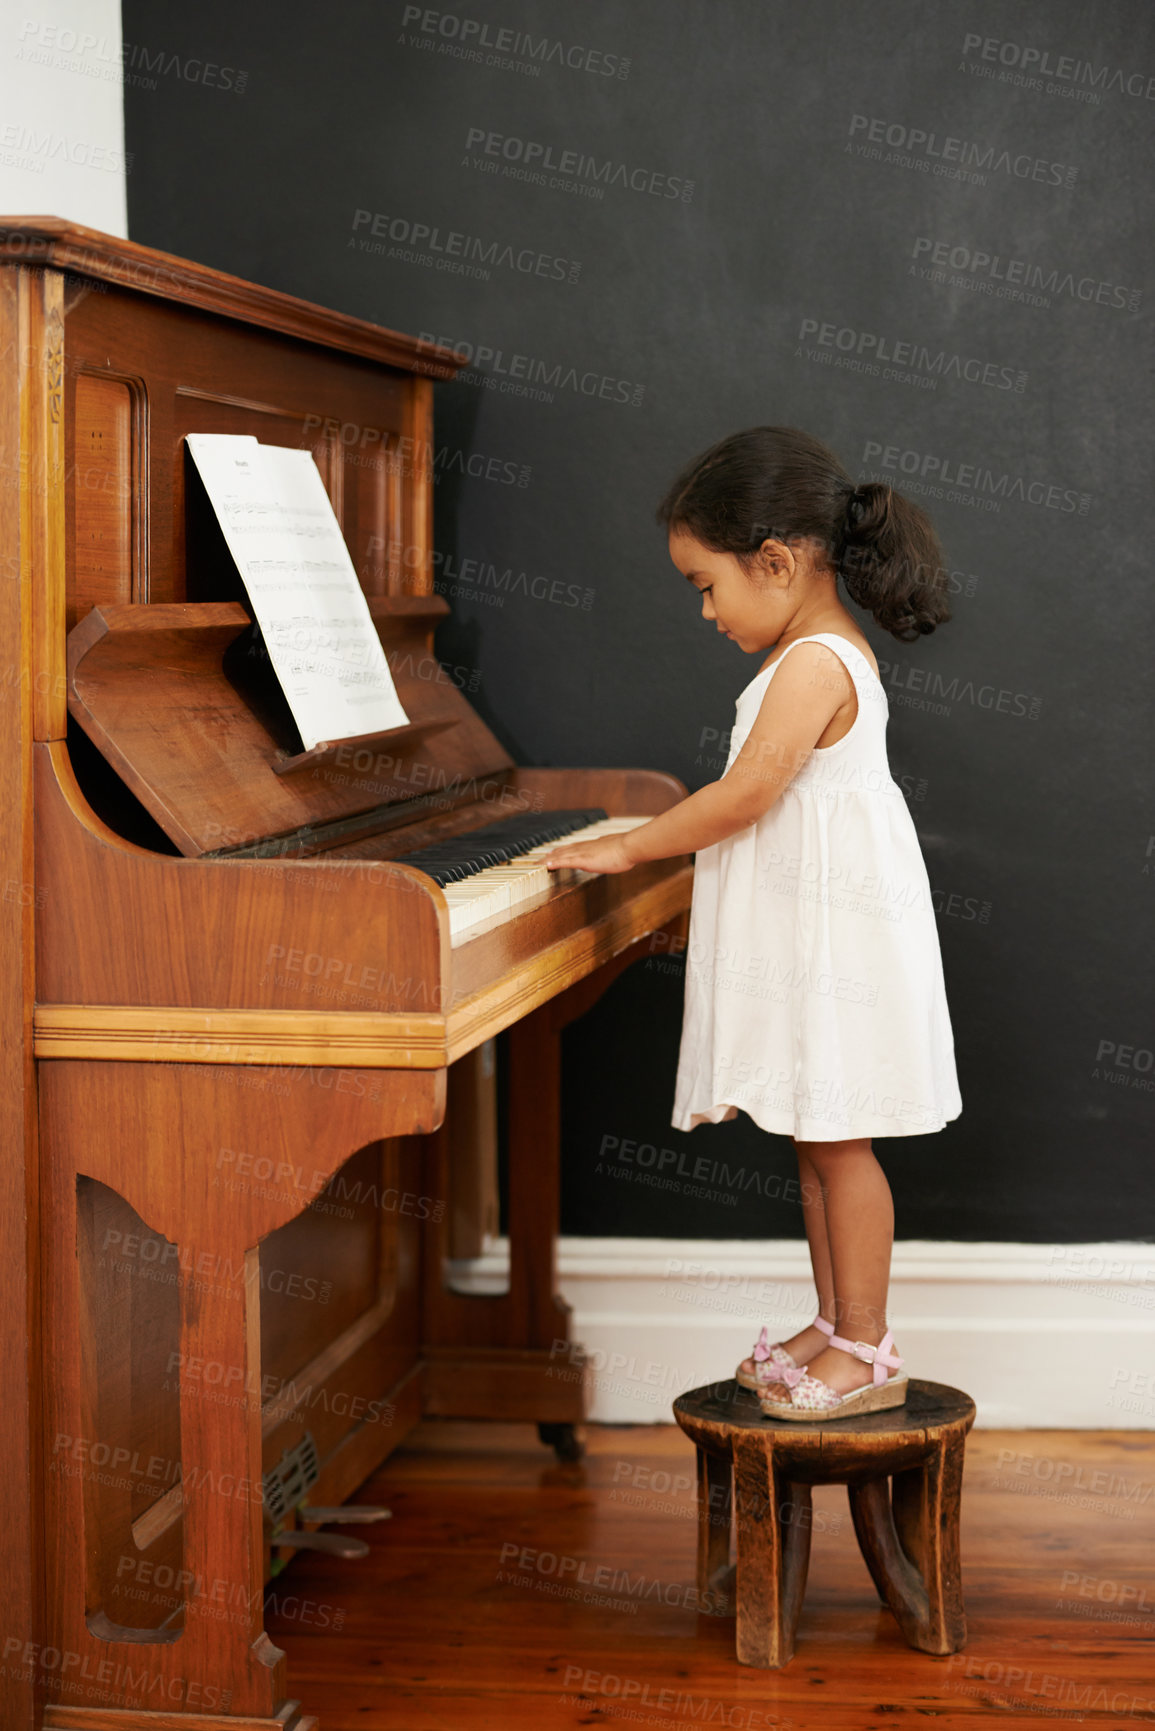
488	854
512	837
462	856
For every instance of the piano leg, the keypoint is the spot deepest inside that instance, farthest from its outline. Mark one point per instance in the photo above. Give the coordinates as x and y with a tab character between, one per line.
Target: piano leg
506	1355
510	1355
563	1439
540	1316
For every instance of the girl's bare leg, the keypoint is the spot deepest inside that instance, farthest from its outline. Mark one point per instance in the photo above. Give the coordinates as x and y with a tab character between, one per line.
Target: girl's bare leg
859	1222
809	1341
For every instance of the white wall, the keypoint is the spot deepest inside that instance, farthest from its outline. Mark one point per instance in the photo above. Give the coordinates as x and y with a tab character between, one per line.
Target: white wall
62	112
1041	1336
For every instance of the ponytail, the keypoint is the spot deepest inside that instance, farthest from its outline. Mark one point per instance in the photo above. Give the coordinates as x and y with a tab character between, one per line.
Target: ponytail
890	561
778	482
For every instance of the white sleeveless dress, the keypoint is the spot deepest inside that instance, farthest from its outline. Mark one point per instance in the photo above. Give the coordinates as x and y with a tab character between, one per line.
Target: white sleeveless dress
814	995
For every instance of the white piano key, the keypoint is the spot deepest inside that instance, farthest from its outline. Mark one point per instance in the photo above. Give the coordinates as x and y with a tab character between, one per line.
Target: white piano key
502	889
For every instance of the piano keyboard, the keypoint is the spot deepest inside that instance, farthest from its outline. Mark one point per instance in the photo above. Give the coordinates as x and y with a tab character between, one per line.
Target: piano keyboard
495	870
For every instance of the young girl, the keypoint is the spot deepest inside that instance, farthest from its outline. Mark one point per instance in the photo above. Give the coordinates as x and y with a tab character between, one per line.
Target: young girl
814	995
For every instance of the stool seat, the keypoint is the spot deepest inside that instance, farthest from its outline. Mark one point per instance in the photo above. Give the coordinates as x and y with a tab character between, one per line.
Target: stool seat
903	1471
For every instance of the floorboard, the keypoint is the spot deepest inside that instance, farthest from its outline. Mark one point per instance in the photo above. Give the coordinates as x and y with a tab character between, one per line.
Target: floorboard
514	1593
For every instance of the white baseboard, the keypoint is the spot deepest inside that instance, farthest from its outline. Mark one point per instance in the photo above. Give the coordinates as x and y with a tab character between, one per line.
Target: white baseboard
1040	1335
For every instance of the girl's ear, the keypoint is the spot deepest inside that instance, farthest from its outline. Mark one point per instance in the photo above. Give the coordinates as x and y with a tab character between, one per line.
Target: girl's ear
776	560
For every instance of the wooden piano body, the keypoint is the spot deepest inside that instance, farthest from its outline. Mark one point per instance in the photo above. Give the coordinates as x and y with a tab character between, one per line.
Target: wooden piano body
245	1068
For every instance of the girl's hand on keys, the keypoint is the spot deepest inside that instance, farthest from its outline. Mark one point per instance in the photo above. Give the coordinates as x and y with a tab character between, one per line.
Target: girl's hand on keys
608	854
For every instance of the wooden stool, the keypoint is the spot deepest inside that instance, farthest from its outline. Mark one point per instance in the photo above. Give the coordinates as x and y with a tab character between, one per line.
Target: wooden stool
908	1531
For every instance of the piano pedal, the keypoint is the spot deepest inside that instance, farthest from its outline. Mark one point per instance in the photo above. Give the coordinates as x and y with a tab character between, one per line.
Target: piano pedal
285	1487
346	1514
332	1544
563	1439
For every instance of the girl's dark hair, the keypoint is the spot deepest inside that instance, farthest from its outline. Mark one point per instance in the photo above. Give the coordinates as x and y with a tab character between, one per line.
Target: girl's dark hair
779	482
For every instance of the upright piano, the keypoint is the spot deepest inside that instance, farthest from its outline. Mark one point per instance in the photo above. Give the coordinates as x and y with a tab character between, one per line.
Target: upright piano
252	996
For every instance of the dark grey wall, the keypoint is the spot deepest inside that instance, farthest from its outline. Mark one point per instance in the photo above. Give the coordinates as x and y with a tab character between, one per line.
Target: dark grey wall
912	230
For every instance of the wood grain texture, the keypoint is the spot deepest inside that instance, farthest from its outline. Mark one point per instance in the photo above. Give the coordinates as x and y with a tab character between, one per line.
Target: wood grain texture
152	688
599	923
62	1718
912	1552
471	1111
715	1505
103	550
43	241
234	1172
773	1546
42	488
20	1439
173	1034
282	934
410	552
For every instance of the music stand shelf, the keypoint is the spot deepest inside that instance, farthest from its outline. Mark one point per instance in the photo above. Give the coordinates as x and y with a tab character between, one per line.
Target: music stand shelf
328	749
204	751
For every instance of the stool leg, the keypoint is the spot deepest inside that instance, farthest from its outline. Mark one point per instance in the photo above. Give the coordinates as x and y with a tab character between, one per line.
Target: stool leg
714	1474
772	1523
897	1578
909	1539
927	1502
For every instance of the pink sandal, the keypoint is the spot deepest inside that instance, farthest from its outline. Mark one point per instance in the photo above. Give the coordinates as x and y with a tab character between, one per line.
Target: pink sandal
774	1358
811	1398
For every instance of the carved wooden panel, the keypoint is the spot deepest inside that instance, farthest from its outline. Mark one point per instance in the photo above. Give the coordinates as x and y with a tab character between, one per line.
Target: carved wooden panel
101	503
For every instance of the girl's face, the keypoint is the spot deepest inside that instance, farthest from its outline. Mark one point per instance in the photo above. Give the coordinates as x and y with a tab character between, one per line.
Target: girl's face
752	611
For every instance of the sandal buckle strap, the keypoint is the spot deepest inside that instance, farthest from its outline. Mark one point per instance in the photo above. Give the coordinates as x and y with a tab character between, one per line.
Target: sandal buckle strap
877	1356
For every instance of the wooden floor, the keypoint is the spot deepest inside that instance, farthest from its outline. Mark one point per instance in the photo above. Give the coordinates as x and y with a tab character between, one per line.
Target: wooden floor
511	1592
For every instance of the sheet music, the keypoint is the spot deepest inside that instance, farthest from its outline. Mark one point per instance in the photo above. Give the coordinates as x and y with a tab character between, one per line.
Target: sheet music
284	535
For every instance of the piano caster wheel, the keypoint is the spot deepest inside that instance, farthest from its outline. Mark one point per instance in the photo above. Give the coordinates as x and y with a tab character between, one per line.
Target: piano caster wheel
563	1440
